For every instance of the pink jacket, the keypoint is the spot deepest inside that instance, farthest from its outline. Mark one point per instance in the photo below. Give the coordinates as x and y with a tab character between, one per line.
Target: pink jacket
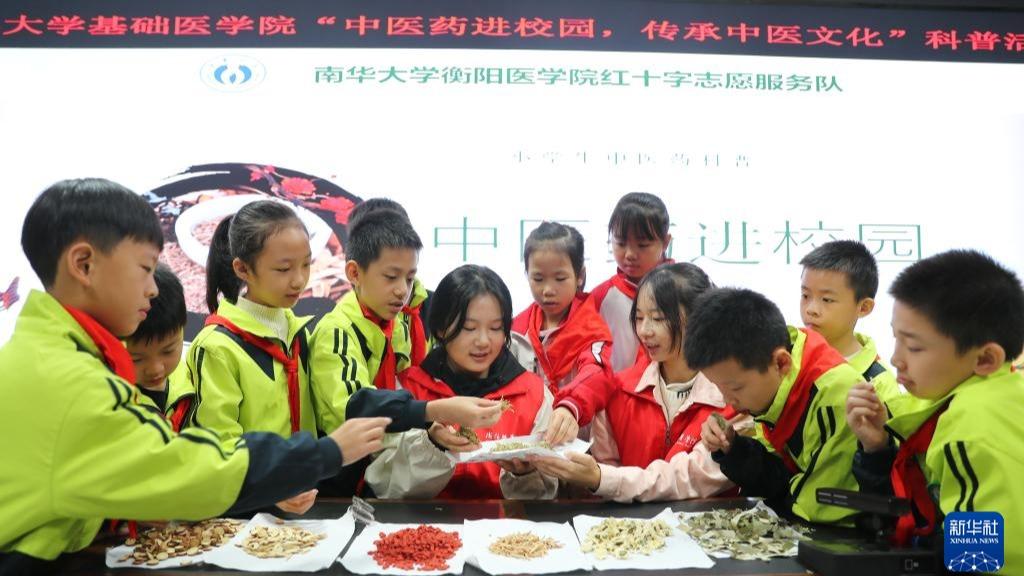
687	474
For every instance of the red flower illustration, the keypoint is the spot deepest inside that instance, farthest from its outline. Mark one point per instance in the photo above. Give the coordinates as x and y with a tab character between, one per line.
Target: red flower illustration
302	187
340	206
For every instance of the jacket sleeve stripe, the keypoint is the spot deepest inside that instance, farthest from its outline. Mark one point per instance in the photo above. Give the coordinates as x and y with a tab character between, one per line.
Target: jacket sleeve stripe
346	363
824	435
970	474
951	462
123	402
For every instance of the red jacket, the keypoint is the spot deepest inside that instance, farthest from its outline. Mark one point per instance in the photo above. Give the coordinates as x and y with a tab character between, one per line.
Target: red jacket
637	421
480	479
579	349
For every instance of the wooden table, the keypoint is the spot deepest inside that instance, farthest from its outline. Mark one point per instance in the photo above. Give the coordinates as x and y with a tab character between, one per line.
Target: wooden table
91	560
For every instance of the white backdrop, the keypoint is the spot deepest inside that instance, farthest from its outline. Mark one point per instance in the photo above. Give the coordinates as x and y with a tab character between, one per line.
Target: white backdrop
912	157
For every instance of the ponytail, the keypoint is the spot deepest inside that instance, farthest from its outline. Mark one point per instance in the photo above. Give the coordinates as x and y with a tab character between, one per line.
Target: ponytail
220	274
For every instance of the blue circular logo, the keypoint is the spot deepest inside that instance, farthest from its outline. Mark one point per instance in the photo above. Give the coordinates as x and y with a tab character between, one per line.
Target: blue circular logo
233	73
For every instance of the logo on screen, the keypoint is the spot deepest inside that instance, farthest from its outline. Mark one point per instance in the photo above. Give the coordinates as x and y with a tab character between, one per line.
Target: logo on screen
233	73
973	541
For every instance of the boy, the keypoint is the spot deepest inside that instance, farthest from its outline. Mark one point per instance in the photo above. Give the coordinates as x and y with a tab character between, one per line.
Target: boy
90	449
155	348
793	383
359	348
414	314
837	288
958	320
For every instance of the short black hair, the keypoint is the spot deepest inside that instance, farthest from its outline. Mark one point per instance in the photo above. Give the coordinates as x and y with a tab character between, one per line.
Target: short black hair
734	323
639	215
373	205
167	313
377	230
848	257
98	211
242	236
456	290
673	285
968	296
556	236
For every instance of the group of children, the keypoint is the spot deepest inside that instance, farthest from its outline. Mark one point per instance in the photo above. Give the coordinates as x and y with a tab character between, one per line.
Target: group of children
685	389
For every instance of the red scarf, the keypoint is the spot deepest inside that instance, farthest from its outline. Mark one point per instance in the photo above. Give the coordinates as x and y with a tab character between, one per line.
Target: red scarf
385	378
817	358
581	327
115	355
417	334
290	363
178	416
908	481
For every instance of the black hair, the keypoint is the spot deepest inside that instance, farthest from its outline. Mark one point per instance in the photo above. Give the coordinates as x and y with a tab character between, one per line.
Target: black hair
242	236
167	313
737	324
94	210
557	236
639	215
850	258
968	296
373	205
454	293
674	285
379	229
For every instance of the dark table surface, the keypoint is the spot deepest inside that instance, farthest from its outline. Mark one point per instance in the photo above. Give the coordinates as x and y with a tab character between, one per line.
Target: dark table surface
91	560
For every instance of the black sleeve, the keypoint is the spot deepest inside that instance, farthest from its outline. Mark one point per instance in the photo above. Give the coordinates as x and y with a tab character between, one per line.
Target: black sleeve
756	471
873	470
280	468
406	412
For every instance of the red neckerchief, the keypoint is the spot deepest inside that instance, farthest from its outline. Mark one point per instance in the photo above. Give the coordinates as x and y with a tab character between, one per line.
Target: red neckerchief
581	327
817	358
115	355
178	416
291	364
385	378
908	481
417	334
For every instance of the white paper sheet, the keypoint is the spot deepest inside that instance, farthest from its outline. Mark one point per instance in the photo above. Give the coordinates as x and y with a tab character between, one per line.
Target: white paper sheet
680	551
484	454
792	552
339	532
480	534
358	560
114	555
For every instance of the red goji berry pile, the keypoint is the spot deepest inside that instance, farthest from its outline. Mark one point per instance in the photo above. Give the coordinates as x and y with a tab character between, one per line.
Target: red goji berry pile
420	548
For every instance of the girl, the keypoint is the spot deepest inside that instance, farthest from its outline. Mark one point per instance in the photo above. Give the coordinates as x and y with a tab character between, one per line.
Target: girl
250	362
470	320
560	337
647	441
638	231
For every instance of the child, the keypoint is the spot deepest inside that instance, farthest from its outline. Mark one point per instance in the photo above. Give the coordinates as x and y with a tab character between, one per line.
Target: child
250	364
414	311
360	346
793	383
958	320
639	234
560	337
470	320
155	348
838	288
93	450
647	440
